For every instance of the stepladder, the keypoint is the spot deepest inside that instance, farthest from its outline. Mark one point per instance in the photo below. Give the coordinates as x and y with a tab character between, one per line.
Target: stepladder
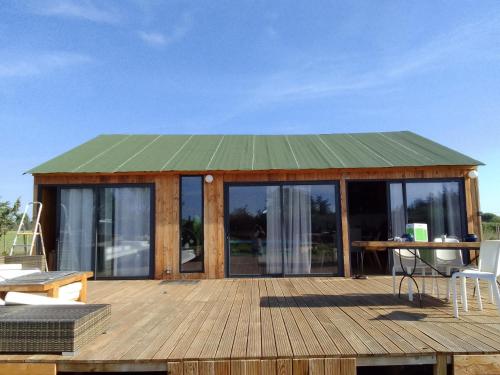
29	233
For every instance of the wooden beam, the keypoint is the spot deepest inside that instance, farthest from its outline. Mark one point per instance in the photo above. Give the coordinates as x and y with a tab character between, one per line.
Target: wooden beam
174	368
441	366
346	248
348	366
476	364
28	369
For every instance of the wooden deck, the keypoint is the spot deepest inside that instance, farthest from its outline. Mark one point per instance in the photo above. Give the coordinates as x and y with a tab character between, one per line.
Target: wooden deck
285	326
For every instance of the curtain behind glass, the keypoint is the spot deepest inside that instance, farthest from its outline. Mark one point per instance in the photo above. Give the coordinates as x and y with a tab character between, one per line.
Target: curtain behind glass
398	221
130	250
274	250
76	230
438	205
297	229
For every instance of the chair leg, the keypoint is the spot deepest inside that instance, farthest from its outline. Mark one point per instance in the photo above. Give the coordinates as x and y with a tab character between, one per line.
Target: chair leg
433	282
434	279
448	287
423	280
410	285
453	281
464	293
410	290
394	281
490	288
478	294
496	292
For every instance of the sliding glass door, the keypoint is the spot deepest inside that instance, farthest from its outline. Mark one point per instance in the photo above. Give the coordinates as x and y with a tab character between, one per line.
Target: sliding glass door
76	229
439	204
123	236
106	230
282	229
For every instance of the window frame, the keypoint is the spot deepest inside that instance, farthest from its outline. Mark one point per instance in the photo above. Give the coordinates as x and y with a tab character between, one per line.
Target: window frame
280	184
202	179
95	187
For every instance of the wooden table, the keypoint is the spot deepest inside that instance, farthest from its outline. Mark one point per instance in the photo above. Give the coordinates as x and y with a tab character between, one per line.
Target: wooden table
47	282
383	245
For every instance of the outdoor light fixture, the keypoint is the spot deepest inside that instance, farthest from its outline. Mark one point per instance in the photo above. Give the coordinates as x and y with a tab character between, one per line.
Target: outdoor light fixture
472	174
209	178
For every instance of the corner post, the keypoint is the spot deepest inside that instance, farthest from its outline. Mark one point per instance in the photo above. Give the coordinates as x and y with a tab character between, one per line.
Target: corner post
346	248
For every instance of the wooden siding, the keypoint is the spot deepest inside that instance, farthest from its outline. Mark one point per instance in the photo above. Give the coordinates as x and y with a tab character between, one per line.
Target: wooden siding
167	205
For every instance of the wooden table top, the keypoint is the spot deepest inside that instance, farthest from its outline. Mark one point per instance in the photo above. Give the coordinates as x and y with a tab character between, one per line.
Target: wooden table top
54	279
382	245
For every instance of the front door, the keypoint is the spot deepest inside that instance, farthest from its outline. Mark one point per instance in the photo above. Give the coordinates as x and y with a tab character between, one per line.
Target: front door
282	229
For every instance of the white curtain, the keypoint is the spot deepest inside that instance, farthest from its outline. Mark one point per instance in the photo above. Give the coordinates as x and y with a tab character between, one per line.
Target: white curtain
274	251
398	222
130	249
76	230
297	223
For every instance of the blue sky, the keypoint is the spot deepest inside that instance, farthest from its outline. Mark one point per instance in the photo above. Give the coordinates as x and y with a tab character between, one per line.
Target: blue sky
72	70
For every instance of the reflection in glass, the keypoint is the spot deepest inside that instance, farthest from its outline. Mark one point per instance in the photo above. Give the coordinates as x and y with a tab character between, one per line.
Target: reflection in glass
191	252
254	230
123	246
76	230
438	205
290	229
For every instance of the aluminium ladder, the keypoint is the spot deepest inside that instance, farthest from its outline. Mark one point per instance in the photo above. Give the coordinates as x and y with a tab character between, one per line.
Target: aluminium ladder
24	231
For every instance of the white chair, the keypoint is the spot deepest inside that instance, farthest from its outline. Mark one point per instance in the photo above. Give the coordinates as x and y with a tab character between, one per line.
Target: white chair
488	269
446	260
406	258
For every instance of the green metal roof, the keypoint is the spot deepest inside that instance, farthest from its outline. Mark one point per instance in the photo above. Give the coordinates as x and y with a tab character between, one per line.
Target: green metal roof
153	153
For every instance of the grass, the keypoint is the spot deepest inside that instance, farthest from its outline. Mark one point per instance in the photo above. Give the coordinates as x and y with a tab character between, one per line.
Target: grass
6	242
490	231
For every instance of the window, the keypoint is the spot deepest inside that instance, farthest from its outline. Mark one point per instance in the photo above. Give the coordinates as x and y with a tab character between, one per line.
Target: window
191	224
106	230
438	205
123	242
282	229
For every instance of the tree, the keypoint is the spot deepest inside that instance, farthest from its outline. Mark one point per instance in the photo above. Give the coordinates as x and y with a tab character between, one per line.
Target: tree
9	216
490	218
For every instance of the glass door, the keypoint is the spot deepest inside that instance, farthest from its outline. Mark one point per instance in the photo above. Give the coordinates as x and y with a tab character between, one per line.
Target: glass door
254	230
282	229
76	229
106	230
123	243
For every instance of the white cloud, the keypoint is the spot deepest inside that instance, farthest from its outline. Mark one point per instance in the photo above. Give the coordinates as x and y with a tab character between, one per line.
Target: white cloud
153	38
83	9
179	31
473	42
35	65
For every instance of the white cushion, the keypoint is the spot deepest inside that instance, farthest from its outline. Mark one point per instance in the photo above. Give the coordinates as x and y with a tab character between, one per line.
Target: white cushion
10	274
70	291
2	302
9	266
17	298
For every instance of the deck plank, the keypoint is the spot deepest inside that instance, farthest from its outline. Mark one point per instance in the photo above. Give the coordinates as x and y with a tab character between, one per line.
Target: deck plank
273	326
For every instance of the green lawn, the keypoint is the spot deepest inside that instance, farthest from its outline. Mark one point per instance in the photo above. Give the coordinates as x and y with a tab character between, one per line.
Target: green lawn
6	241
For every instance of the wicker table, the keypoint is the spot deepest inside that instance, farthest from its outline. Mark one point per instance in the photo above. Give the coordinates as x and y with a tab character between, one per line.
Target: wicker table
46	282
51	329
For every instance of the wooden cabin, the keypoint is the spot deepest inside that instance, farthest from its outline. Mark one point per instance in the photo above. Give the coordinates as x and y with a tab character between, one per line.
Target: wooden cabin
215	206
